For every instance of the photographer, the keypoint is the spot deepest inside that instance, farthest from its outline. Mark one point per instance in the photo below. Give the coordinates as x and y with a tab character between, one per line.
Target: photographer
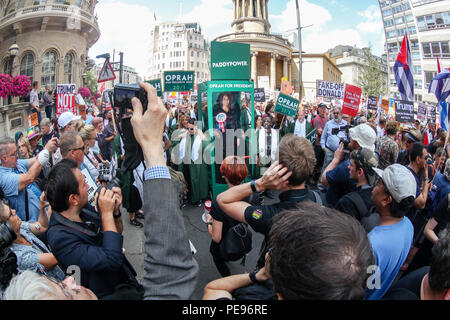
171	270
32	254
330	137
16	176
92	241
336	176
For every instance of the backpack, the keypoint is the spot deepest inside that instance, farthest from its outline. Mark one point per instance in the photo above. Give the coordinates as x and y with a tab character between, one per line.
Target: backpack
236	243
369	217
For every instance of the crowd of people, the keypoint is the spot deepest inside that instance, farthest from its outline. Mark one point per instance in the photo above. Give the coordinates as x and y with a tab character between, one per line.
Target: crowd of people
363	208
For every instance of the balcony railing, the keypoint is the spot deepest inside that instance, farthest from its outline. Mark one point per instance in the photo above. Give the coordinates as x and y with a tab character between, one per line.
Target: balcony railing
48	9
255	35
430	27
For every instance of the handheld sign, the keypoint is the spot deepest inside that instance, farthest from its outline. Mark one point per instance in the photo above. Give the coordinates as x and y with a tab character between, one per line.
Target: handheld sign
107	73
33	120
422	112
65	98
178	81
157	85
372	103
352	98
287	105
404	111
260	95
221	118
330	89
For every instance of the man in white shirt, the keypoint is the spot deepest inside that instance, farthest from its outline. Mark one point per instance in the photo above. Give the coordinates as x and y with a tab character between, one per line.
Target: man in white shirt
34	100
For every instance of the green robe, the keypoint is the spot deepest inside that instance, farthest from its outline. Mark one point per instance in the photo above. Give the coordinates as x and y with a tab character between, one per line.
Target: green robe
245	123
310	131
198	173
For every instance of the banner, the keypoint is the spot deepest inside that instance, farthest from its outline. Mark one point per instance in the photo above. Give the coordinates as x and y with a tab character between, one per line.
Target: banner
287	105
330	89
372	103
422	113
65	98
260	95
157	85
230	61
352	98
404	111
179	81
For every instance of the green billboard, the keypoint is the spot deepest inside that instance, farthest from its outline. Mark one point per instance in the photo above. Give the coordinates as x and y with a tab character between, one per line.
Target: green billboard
179	81
230	61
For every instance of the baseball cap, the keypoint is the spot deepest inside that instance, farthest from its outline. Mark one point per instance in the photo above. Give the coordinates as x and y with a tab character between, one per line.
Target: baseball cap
414	135
364	135
322	105
367	160
399	181
65	118
447	169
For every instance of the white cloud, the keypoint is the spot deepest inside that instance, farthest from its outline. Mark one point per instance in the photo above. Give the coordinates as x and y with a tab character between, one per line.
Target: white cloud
124	27
373	22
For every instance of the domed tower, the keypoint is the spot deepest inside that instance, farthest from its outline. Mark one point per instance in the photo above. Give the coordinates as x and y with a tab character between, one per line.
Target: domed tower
53	37
271	54
251	16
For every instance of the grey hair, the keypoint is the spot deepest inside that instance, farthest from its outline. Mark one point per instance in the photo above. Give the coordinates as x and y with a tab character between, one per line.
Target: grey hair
68	141
4	146
29	285
86	131
45	122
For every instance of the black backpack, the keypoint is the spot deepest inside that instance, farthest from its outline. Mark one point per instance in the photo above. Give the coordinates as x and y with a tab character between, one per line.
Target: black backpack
236	243
369	217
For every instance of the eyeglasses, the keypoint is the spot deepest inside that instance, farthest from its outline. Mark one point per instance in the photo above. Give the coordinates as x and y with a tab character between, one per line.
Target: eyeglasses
409	141
79	149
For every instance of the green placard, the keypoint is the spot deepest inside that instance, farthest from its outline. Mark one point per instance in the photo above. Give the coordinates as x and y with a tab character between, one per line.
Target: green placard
230	61
177	81
287	105
157	85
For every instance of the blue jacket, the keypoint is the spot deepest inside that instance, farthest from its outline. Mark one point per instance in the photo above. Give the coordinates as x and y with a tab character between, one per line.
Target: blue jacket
98	254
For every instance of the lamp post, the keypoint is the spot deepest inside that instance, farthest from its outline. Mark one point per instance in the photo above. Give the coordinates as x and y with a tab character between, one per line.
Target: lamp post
12	51
84	79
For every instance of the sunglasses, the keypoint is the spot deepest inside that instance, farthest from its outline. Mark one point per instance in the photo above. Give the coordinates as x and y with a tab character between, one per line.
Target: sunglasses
79	149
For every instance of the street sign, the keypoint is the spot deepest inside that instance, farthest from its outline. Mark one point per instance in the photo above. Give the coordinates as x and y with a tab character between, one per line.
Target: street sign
287	105
179	81
107	73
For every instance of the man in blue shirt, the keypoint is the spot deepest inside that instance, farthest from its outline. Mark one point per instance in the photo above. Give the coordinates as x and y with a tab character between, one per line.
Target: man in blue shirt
17	177
391	240
329	141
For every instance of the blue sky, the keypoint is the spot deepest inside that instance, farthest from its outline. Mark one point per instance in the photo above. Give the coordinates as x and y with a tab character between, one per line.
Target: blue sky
125	24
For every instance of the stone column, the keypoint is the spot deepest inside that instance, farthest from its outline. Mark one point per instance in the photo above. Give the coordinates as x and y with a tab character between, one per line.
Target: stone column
243	9
258	8
254	66
273	70
235	6
250	9
265	9
285	67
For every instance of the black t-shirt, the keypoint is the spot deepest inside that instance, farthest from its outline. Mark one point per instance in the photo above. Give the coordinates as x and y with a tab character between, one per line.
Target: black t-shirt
441	215
346	205
260	217
408	287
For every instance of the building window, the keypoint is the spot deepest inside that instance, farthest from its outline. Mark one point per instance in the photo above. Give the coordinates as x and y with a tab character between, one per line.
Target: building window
49	69
388	23
27	65
68	68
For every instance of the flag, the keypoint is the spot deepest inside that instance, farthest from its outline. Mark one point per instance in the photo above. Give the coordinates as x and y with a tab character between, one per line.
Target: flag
403	71
102	88
440	85
439	65
444	115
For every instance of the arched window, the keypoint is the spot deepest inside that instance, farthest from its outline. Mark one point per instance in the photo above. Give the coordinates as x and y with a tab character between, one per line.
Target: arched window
49	69
68	68
6	67
78	3
27	65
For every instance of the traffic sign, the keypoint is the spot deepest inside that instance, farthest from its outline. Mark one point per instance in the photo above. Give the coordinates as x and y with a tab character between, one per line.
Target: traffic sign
107	73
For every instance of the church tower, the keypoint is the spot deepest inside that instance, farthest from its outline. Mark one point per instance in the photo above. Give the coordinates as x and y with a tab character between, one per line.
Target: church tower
251	16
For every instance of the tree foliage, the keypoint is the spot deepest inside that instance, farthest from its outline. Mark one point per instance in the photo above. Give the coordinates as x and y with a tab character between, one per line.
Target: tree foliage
372	80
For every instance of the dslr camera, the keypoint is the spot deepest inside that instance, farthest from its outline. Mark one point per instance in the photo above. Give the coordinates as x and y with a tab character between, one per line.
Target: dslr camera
346	140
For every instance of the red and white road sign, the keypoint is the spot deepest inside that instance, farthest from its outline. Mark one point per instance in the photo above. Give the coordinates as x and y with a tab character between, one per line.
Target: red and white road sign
107	73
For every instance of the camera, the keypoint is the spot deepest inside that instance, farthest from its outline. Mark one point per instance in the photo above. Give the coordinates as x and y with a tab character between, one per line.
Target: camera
123	93
346	140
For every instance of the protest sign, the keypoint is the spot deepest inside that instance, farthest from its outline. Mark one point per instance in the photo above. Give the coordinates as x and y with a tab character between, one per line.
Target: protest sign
157	85
260	95
65	98
82	111
33	120
385	105
179	81
330	89
372	103
404	111
230	61
352	98
432	114
422	112
287	105
286	87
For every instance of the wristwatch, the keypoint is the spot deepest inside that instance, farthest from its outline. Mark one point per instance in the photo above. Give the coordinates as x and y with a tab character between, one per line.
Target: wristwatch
117	216
252	185
252	276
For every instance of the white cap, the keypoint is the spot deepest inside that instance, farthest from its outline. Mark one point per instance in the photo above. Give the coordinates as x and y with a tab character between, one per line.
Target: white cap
399	181
364	135
65	118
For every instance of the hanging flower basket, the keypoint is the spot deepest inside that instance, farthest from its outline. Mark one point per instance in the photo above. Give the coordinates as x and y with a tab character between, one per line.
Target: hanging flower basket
18	86
85	92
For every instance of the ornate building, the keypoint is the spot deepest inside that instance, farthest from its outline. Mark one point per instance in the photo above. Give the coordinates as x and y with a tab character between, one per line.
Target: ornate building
53	38
271	54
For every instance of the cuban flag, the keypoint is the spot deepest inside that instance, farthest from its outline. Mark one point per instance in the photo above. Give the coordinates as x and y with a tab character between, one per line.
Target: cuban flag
440	86
403	71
